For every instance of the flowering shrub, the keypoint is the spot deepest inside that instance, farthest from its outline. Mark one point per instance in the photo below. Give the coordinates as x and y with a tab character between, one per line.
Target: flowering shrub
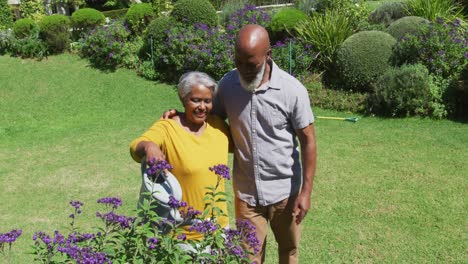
104	46
197	47
443	48
297	60
249	14
147	238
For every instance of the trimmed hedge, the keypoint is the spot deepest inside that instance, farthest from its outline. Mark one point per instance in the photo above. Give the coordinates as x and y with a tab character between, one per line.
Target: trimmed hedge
25	27
407	91
387	12
87	18
362	58
406	25
139	16
285	21
54	30
191	12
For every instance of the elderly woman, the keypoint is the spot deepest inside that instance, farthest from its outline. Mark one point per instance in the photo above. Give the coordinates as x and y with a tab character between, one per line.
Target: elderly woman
191	142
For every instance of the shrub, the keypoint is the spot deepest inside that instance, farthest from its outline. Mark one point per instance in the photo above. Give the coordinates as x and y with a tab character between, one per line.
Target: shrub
297	59
325	33
198	47
6	19
229	8
54	30
339	100
156	34
104	46
284	22
407	91
131	50
406	25
363	58
443	48
191	12
33	9
139	16
86	19
6	39
387	12
248	14
28	47
431	10
25	27
116	14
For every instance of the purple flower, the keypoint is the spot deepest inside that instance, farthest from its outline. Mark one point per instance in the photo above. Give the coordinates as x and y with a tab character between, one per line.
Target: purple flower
182	237
76	204
112	218
190	213
466	55
152	242
205	227
10	237
174	203
114	201
221	170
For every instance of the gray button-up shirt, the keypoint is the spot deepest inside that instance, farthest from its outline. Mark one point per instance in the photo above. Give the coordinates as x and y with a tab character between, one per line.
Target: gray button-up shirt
267	166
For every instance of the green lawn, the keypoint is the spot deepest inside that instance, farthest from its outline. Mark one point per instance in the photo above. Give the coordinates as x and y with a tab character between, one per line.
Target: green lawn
386	190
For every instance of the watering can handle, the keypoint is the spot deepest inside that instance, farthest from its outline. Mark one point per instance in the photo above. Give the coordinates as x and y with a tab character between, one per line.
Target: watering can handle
143	173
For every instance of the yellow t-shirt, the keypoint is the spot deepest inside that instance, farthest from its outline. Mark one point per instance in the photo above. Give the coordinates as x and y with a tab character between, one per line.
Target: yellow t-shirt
191	156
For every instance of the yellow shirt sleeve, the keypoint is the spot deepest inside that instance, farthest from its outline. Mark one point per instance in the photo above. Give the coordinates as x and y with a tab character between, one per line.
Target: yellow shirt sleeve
192	156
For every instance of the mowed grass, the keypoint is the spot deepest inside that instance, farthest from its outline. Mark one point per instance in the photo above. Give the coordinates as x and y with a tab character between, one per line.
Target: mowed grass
386	190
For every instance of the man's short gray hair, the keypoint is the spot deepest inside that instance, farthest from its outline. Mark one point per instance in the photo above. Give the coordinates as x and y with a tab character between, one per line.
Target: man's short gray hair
189	79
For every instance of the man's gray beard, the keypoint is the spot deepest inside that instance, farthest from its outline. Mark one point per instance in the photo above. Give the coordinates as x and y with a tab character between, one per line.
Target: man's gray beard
250	87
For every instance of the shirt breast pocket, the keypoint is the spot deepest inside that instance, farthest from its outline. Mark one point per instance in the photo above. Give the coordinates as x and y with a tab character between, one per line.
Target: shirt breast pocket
276	118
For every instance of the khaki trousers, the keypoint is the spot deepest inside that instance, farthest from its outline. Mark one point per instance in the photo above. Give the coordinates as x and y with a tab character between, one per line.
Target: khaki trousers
287	232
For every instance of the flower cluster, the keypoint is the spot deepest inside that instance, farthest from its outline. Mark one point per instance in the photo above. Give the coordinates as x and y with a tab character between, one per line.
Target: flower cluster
221	170
249	14
112	218
245	232
157	166
115	202
174	203
205	226
9	237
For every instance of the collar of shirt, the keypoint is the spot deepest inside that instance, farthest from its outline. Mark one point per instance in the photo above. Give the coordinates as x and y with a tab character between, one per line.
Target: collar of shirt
275	79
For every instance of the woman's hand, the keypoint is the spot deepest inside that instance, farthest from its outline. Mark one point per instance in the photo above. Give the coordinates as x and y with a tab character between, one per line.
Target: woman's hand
150	150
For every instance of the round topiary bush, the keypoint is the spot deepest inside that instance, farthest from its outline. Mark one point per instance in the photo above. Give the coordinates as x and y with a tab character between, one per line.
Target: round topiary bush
25	27
87	18
407	91
406	25
54	30
139	16
387	12
285	21
362	58
195	11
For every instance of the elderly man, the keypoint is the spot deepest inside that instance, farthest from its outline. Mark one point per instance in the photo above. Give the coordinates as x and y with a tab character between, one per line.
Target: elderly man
267	108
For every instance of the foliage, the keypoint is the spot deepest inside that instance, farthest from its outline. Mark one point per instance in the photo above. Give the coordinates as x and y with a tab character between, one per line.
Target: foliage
54	31
32	9
325	33
6	38
285	21
6	19
116	14
297	59
139	16
387	12
248	14
160	6
407	91
307	6
130	51
363	58
29	47
339	100
191	12
229	8
86	19
104	46
147	237
198	47
25	27
406	25
431	10
443	48
156	33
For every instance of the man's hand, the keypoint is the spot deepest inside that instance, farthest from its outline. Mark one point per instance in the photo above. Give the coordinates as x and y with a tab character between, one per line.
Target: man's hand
301	206
169	114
